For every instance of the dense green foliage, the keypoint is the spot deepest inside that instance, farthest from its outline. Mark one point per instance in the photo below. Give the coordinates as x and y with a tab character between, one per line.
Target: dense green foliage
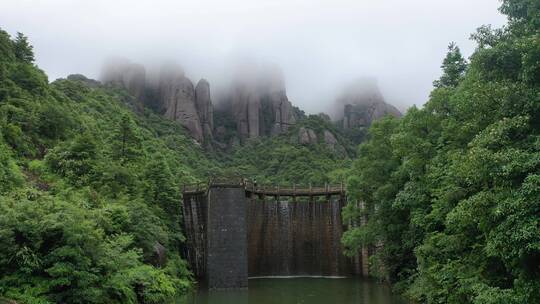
283	160
452	190
88	190
453	68
89	186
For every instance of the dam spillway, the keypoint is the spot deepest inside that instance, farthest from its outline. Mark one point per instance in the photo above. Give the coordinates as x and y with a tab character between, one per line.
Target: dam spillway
302	238
287	233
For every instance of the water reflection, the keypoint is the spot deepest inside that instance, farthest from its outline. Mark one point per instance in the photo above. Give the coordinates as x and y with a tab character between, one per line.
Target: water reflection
300	290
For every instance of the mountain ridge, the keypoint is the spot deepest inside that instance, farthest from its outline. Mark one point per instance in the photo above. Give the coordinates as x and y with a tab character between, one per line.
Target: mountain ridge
254	106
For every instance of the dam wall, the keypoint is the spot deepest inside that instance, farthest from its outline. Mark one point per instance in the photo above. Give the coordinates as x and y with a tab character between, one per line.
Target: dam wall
226	259
232	234
195	213
296	238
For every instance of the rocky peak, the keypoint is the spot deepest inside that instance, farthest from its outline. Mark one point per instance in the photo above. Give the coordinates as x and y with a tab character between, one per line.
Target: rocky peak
204	106
172	95
127	75
245	107
363	103
177	96
259	103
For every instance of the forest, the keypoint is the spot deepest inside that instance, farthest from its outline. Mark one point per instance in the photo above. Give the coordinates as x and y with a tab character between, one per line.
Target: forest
452	189
90	186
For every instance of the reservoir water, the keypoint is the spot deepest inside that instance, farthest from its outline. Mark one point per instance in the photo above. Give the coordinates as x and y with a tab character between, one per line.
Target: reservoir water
300	290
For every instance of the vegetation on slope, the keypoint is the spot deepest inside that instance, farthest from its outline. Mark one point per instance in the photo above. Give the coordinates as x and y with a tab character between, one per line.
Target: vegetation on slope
89	191
453	189
89	188
282	160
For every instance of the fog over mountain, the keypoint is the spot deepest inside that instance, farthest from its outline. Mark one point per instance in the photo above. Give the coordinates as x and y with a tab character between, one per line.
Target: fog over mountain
320	46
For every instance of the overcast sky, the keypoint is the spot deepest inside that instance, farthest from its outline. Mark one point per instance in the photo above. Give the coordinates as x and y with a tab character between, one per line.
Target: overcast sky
320	45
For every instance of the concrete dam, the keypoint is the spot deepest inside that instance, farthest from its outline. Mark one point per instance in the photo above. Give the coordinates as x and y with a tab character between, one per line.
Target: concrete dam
238	230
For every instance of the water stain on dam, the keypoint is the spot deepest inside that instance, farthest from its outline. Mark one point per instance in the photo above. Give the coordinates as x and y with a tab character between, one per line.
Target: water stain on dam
296	238
285	237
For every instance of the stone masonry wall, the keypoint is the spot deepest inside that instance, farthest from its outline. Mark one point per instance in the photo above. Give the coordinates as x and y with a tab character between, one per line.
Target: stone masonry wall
227	262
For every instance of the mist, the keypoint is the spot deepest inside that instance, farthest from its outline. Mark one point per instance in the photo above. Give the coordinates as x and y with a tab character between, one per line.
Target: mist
319	46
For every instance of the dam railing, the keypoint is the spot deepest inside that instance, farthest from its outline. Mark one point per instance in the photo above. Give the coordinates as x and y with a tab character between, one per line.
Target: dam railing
253	188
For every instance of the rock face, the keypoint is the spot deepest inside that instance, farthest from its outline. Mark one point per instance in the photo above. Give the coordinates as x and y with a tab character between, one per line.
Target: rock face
324	117
307	136
127	75
363	103
330	139
361	115
204	106
177	95
259	104
256	105
173	95
273	88
160	255
246	105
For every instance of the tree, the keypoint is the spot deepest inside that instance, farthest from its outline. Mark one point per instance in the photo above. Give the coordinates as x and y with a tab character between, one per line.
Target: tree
161	188
461	203
22	48
453	66
126	141
74	223
75	159
6	47
10	175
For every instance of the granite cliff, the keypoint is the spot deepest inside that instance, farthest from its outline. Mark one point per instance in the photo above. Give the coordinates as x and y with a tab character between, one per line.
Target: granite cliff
363	103
173	95
255	105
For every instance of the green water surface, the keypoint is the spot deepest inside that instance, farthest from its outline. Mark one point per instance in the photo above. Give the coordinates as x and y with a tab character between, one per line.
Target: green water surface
300	290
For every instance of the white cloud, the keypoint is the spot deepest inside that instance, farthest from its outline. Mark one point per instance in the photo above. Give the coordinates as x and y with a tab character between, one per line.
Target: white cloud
320	45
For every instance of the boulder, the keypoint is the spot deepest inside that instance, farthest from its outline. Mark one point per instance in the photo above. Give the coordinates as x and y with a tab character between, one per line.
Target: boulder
307	136
330	139
324	117
159	255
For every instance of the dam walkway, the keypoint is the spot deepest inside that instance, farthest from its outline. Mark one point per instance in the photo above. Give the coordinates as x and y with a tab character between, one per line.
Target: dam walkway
252	188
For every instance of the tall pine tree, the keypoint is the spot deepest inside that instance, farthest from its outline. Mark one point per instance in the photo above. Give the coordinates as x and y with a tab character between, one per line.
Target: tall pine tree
453	67
22	48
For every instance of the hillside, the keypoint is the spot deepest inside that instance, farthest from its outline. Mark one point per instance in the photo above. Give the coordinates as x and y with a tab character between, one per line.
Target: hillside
89	190
452	188
312	151
444	200
90	184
